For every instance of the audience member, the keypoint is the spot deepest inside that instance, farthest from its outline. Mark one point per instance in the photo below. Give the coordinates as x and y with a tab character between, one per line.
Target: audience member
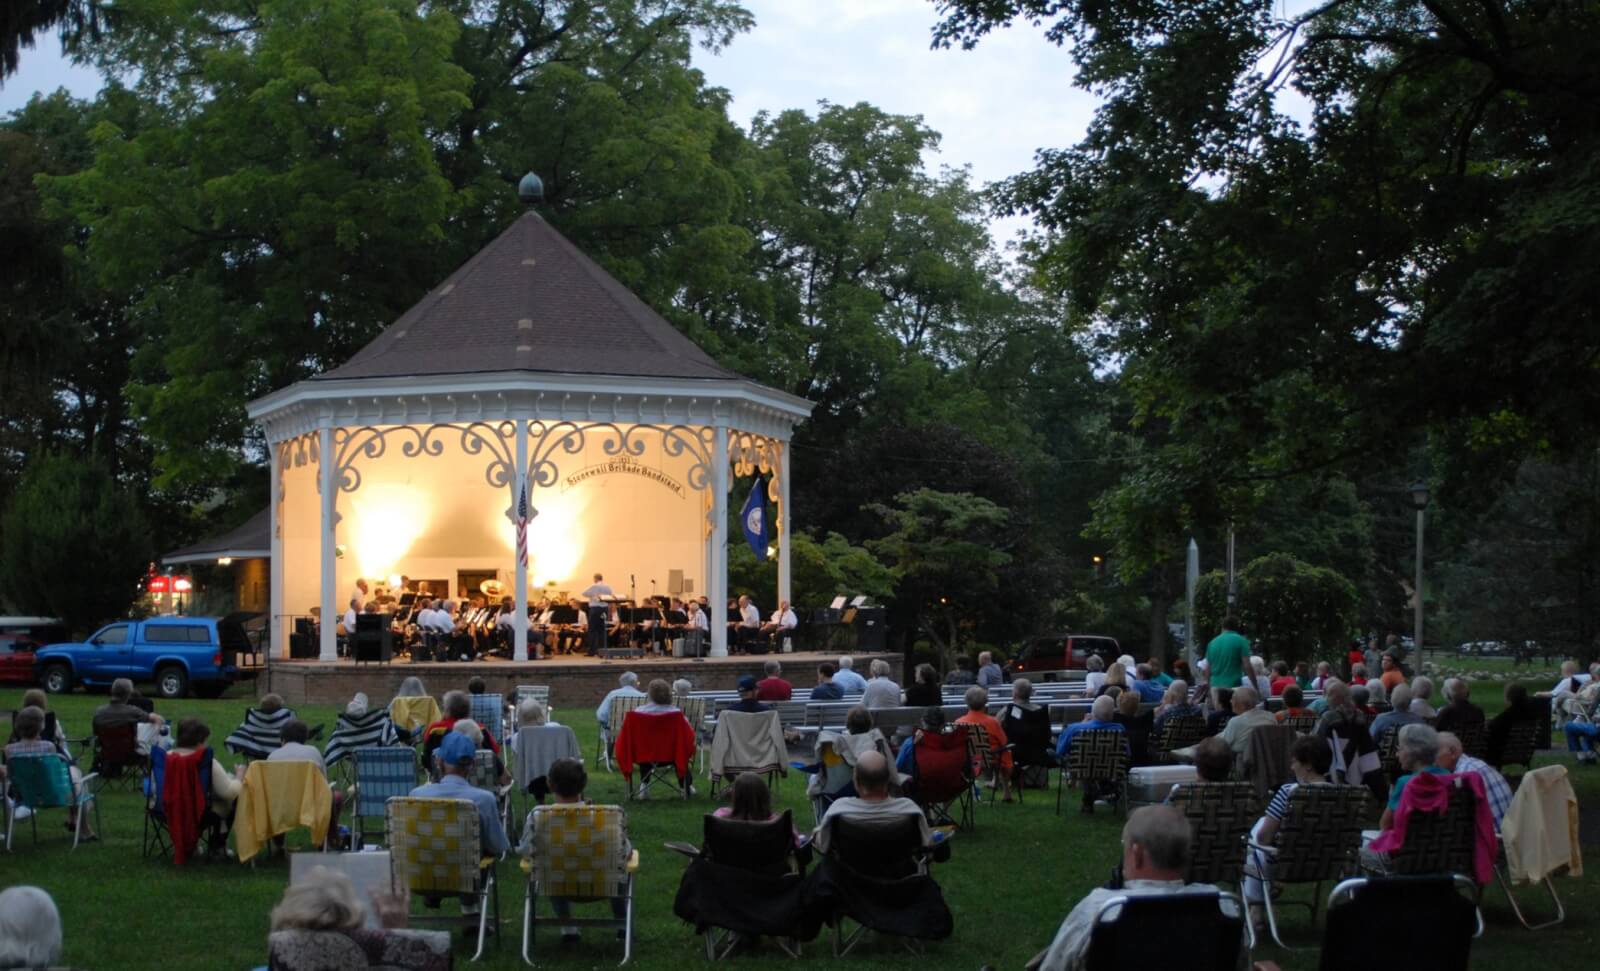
1340	713
1257	677
977	699
457	708
1518	709
54	732
1157	674
1418	751
627	687
1247	717
1399	713
1146	686
1218	719
118	711
933	721
881	691
1580	733
1459	713
1293	702
1102	714
1358	674
989	673
1310	758
567	783
827	689
1155	856
1392	676
455	754
1094	675
749	701
963	673
847	678
658	699
1360	698
1572	679
1452	759
189	737
1302	674
1116	677
1136	725
1175	703
1213	760
1422	697
30	928
1324	675
1226	657
773	687
1281	678
28	728
924	688
751	800
872	800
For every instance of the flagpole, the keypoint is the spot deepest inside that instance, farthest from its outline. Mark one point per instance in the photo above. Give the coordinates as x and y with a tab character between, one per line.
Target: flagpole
519	620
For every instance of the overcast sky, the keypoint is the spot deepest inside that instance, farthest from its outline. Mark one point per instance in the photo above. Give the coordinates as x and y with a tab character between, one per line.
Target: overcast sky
994	106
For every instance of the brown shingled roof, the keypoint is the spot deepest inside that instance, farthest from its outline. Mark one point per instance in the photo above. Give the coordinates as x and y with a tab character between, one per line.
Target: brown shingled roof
530	301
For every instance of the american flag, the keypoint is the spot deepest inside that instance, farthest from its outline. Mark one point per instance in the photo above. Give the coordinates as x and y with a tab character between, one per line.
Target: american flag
521	522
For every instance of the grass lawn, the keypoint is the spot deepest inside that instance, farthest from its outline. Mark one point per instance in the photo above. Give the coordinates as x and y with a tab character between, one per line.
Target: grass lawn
1008	884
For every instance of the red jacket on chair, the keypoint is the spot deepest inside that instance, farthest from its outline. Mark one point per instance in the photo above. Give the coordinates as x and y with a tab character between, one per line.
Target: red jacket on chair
656	737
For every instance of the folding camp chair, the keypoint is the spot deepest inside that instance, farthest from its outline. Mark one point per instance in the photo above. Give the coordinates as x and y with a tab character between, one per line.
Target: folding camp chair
1474	739
534	692
1220	815
437	851
258	735
381	774
745	882
44	781
1098	757
1389	754
876	874
1032	758
1520	744
485	774
748	742
581	855
1318	840
1139	931
694	712
1391	909
116	754
941	775
986	761
1537	787
660	746
616	714
374	729
412	714
1303	723
489	711
1440	842
1177	732
158	821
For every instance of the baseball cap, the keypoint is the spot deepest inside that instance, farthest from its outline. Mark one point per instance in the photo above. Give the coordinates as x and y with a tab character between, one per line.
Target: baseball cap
747	682
456	749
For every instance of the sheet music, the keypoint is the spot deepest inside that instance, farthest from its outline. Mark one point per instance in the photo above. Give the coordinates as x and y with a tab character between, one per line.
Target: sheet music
859	601
838	603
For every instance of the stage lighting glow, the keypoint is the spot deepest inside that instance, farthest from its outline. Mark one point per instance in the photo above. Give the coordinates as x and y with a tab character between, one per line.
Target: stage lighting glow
385	520
555	543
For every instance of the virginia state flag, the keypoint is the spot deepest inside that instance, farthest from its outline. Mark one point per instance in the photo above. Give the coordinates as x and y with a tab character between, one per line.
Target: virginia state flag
753	519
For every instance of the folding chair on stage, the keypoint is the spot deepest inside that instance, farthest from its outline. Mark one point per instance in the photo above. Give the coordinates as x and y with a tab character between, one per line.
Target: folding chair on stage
1390	910
42	782
436	850
941	775
381	774
580	855
746	882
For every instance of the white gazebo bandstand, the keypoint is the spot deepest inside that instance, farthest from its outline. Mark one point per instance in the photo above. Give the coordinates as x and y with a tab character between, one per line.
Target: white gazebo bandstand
529	372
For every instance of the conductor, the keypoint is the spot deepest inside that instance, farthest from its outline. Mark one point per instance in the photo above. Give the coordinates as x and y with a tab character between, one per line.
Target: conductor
599	613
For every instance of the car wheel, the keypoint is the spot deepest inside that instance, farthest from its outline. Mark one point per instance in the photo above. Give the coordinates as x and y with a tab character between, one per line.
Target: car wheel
172	682
57	679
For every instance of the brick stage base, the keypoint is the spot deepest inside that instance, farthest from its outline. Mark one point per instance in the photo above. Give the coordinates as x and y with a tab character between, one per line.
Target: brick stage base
573	681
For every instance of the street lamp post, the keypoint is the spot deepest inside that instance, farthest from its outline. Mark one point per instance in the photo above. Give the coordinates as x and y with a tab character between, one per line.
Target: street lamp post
1419	500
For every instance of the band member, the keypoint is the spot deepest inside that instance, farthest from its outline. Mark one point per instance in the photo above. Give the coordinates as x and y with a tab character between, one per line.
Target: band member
696	630
575	634
747	624
781	622
599	613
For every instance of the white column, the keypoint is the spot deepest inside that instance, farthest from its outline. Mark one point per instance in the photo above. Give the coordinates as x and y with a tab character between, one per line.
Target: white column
717	580
277	623
786	458
328	649
519	482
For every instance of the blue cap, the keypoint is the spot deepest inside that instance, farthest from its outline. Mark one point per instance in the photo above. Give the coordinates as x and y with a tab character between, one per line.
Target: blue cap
456	749
747	682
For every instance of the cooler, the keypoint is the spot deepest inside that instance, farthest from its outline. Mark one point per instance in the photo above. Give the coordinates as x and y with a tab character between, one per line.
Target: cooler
1150	783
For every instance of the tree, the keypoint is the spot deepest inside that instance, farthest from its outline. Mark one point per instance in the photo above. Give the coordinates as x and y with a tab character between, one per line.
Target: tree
822	570
23	20
76	542
945	552
1291	610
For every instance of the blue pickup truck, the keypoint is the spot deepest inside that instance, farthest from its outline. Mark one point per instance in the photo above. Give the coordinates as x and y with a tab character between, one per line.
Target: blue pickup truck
176	653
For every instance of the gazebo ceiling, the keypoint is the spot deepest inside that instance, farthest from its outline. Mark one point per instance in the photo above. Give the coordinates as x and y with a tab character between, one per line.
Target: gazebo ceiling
529	327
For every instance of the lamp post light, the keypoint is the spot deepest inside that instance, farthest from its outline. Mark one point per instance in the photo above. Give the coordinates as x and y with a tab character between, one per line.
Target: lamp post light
1419	501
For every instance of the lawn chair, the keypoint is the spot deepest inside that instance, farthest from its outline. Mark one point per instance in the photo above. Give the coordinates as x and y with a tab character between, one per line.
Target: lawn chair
836	754
1554	847
746	881
277	797
258	735
748	742
1438	843
1318	840
489	711
485	774
44	781
534	692
1266	758
374	729
1521	741
580	854
941	776
194	816
1390	910
616	715
1474	739
437	851
1098	757
413	713
1177	732
1032	758
1303	723
876	875
1139	932
381	774
537	747
1389	754
986	761
656	744
116	754
1220	815
694	712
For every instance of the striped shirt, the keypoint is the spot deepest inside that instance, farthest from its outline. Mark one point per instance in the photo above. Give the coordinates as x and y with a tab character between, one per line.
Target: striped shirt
1494	785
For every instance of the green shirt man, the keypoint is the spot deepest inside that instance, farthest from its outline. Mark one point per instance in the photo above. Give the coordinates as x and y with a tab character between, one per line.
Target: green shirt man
1226	656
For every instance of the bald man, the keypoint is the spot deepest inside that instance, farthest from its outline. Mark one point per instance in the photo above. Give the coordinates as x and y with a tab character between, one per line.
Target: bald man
872	800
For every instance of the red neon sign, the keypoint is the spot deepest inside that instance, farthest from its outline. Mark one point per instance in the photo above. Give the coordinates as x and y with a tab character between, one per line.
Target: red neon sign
181	585
157	585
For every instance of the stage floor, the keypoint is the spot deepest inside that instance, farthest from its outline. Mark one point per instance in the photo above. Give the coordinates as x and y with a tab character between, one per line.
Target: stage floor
573	679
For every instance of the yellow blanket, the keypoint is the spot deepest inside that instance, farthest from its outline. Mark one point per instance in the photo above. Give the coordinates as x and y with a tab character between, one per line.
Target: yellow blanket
414	712
278	797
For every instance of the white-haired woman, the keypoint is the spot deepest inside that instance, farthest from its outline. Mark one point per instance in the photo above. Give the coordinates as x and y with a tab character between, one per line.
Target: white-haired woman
319	924
30	928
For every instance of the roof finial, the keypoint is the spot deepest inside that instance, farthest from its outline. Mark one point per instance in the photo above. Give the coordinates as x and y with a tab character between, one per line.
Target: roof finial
531	189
